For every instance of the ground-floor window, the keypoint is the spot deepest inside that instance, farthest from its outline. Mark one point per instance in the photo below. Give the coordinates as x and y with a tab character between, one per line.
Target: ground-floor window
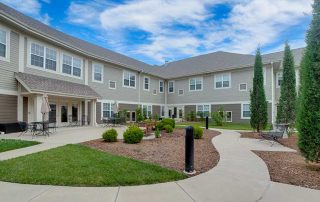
107	111
64	113
245	111
203	110
228	116
162	112
147	110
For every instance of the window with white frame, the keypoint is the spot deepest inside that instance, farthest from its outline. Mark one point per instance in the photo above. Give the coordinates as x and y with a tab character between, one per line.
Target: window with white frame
112	84
107	111
279	78
203	110
223	80
71	65
147	110
228	116
154	92
129	79
161	86
97	73
245	111
3	43
171	86
180	92
162	111
243	87
43	57
146	83
195	84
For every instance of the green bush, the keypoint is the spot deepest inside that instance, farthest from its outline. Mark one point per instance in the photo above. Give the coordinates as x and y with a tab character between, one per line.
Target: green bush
198	132
168	128
110	135
159	126
191	116
157	133
168	121
139	115
133	135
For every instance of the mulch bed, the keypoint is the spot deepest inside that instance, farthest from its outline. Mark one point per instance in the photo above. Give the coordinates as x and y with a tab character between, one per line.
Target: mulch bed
167	151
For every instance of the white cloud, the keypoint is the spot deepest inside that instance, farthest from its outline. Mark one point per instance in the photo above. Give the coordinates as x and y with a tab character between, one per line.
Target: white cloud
29	7
249	24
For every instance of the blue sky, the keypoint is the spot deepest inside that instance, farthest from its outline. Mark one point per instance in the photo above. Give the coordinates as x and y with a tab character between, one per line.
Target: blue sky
159	30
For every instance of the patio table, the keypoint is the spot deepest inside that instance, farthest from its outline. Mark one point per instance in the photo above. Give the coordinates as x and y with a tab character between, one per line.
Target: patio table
40	128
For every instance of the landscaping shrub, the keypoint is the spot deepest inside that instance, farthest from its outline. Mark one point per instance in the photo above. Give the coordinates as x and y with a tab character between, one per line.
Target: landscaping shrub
168	128
110	135
133	135
198	132
157	133
139	115
168	121
191	116
159	126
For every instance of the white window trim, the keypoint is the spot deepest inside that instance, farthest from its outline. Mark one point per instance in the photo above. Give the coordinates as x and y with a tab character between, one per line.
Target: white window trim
135	81
242	84
73	56
8	32
277	78
173	87
162	86
115	85
111	109
147	110
102	70
196	78
144	87
182	93
215	79
45	45
203	109
231	116
245	103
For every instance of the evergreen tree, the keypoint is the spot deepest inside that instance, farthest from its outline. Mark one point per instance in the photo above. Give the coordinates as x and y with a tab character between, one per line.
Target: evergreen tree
287	103
258	102
309	101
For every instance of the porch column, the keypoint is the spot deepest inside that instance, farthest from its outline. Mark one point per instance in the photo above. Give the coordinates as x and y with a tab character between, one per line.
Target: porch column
93	113
86	112
19	104
69	110
37	101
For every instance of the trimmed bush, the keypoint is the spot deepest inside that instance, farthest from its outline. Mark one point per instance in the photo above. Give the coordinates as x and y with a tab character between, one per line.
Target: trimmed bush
133	135
168	128
198	132
110	135
168	121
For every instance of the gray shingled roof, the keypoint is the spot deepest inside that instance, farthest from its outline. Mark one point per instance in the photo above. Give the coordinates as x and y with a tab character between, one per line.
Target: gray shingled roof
212	62
44	84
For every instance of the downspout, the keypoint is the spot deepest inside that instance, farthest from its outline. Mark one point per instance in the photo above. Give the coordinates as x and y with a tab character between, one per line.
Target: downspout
165	98
139	88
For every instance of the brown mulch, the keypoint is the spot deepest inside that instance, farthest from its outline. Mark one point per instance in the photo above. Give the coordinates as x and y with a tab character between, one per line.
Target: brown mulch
290	168
167	151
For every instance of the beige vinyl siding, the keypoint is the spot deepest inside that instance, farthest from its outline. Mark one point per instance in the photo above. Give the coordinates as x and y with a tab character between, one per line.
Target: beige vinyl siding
98	113
156	110
148	96
128	107
189	108
8	108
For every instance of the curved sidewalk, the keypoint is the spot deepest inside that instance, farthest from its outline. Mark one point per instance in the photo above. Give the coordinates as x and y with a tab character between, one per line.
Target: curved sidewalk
239	176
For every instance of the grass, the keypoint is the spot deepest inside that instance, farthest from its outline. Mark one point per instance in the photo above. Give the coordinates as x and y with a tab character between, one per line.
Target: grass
231	126
78	165
11	144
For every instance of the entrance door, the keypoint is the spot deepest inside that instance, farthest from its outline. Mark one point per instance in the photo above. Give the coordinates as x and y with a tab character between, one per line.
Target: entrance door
74	113
133	116
53	113
170	113
175	112
64	114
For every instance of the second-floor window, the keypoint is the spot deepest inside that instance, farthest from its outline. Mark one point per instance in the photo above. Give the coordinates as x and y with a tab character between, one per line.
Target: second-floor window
71	65
161	86
146	83
97	72
3	43
279	79
43	57
223	80
195	84
129	79
171	86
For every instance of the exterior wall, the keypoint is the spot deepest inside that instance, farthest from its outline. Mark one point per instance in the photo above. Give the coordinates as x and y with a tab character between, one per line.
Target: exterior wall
129	107
8	108
189	108
148	96
98	114
156	109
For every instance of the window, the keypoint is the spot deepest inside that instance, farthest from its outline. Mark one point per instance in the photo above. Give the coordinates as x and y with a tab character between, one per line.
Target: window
223	80
112	84
64	113
146	83
107	111
147	110
3	43
97	73
203	110
228	116
129	79
180	92
171	86
279	79
161	86
154	92
245	111
243	87
162	111
43	57
71	65
195	84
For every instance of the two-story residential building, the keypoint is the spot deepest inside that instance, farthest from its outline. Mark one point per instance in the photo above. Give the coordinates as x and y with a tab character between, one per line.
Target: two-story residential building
87	82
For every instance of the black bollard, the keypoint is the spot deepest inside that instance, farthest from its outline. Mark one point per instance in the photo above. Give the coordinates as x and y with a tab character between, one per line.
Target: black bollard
189	169
207	122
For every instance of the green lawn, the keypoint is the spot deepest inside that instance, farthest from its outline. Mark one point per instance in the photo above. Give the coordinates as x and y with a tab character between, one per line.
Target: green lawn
231	126
10	144
77	165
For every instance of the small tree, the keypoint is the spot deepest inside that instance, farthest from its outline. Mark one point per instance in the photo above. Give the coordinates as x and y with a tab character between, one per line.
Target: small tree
309	97
286	112
258	102
139	114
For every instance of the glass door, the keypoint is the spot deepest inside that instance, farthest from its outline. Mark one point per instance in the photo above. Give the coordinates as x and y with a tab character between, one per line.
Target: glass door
53	113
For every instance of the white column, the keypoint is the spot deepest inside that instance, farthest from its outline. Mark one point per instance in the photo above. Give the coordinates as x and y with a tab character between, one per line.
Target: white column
79	110
93	113
19	104
86	111
30	109
69	110
37	101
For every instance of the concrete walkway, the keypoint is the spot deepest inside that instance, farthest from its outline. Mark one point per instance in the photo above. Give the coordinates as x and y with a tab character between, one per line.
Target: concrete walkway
239	176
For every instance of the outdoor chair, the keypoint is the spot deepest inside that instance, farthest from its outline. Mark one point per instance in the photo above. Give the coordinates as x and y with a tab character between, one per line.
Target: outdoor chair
52	126
277	132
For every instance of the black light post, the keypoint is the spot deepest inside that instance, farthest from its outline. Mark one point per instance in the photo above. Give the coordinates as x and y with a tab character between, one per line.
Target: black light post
189	151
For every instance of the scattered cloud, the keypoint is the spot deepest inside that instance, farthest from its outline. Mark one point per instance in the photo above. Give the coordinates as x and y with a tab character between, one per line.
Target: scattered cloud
30	7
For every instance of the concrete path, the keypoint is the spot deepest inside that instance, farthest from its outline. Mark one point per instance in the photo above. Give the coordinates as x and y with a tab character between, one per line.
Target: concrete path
239	176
